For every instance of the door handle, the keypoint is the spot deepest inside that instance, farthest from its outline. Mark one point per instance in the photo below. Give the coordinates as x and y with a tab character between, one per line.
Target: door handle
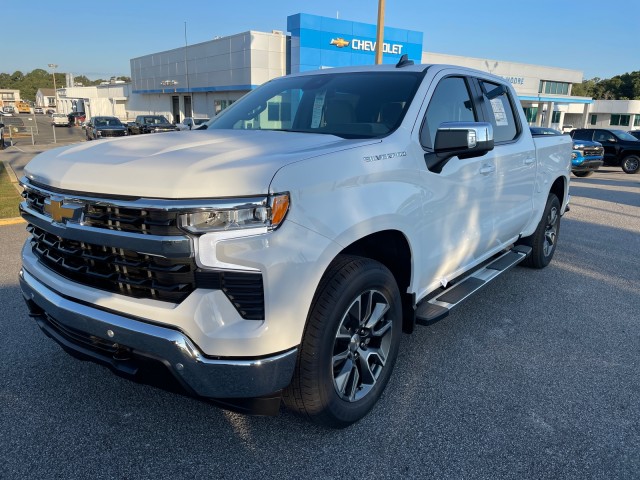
529	161
487	169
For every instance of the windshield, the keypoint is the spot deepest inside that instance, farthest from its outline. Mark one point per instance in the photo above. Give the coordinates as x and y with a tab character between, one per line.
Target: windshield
349	105
108	122
155	120
622	135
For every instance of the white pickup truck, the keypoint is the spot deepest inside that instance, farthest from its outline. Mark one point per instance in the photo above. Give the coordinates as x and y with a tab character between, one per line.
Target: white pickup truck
281	252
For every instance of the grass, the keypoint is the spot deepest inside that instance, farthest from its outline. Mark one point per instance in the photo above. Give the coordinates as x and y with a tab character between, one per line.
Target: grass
9	197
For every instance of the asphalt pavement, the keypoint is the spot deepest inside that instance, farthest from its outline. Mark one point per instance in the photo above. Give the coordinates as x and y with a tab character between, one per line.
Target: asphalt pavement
536	377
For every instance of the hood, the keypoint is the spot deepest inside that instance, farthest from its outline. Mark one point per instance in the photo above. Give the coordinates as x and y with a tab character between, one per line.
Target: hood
585	143
197	164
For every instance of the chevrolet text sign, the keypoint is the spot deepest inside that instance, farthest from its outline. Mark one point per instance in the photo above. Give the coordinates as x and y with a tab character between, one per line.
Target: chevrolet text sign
369	46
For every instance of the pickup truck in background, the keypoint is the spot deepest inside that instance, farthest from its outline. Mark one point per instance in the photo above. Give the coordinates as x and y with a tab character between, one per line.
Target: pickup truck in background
586	156
281	253
620	148
150	124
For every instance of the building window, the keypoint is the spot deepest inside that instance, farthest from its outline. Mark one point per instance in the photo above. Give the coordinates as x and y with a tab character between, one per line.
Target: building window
555	118
531	113
561	88
636	121
594	119
619	120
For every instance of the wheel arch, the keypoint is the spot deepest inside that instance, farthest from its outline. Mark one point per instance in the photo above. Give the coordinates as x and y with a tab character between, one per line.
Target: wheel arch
391	248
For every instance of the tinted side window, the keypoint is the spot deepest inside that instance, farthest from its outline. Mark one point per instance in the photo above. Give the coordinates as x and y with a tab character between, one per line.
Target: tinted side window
500	113
451	102
603	136
582	134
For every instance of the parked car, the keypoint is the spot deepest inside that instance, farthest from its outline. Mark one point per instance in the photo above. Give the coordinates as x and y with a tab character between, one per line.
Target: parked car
586	156
191	123
38	111
8	109
60	120
635	133
1	136
102	127
50	111
76	117
620	148
151	124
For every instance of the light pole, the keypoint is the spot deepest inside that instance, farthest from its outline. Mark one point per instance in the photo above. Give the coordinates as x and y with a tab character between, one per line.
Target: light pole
53	67
380	33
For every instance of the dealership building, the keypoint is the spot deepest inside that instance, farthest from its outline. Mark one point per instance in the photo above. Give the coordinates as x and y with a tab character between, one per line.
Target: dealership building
202	79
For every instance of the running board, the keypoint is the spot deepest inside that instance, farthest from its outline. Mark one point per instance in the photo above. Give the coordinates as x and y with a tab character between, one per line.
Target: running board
435	309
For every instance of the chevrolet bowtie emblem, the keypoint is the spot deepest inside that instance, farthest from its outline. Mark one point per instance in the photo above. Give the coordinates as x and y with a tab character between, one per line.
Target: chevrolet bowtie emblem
59	212
339	42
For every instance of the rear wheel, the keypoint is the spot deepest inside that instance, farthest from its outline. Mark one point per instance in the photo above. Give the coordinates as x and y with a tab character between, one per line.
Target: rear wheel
631	164
544	240
350	343
583	174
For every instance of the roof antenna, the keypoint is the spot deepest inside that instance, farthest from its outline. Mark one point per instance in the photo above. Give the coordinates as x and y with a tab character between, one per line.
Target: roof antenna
404	61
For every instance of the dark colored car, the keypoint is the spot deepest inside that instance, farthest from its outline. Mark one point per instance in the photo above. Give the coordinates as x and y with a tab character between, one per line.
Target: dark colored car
620	148
586	156
103	127
151	124
635	133
76	118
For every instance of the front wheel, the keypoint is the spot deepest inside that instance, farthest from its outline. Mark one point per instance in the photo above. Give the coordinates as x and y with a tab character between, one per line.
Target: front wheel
631	164
350	343
544	240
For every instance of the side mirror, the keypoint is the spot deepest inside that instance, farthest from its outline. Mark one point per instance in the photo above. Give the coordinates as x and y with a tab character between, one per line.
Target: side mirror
463	139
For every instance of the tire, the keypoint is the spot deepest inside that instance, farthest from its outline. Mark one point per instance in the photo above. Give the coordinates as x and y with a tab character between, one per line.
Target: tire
583	174
631	164
347	352
545	239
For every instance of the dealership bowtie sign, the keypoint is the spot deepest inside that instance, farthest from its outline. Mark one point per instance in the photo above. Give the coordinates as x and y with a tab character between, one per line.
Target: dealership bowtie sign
367	45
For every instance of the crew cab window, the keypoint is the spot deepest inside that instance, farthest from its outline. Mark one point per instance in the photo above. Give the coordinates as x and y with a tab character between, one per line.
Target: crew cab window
500	113
604	136
582	134
450	102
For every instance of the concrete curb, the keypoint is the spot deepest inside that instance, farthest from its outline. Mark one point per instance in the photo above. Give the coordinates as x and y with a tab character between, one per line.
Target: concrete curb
12	175
11	221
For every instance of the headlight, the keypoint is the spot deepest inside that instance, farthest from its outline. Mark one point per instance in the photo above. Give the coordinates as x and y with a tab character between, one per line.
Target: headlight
267	212
574	155
98	133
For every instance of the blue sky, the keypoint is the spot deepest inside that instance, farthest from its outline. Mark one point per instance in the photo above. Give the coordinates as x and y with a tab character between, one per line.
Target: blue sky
97	38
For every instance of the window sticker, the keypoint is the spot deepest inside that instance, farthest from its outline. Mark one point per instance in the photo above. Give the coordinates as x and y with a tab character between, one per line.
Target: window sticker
498	112
318	103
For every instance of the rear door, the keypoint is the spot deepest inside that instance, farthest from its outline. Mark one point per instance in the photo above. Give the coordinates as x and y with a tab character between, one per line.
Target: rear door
514	157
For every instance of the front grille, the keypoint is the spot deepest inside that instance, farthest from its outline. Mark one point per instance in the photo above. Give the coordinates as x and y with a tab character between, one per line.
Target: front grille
115	269
112	133
101	215
128	272
592	152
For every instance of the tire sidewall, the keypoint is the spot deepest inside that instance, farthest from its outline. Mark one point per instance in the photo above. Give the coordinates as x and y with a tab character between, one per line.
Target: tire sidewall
625	169
541	260
368	275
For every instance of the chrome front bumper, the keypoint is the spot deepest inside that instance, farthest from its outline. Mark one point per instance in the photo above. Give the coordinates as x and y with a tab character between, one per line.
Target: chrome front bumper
117	341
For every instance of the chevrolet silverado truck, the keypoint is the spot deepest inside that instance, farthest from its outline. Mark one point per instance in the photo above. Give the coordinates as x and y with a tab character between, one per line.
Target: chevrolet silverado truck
280	252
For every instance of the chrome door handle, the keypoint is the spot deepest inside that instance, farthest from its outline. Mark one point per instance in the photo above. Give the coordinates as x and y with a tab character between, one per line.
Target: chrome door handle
487	169
529	161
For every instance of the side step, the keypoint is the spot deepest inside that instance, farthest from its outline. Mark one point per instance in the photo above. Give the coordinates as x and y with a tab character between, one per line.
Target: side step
430	311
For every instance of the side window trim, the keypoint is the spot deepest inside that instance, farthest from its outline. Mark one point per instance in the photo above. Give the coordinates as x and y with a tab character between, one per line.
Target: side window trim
486	114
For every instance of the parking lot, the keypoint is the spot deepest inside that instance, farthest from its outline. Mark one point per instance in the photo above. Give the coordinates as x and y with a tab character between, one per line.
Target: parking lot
43	132
536	377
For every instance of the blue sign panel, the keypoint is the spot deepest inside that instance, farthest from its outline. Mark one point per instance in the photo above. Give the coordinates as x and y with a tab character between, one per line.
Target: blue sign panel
323	42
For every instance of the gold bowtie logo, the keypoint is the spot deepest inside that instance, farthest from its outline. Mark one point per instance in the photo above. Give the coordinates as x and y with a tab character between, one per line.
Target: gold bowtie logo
339	42
58	211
